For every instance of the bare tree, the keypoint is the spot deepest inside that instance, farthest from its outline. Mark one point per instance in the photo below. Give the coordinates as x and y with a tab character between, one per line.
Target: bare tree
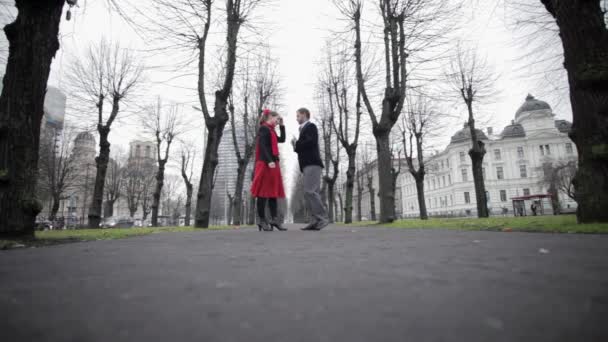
395	170
332	162
417	129
338	92
472	79
583	30
114	184
163	122
368	167
360	188
187	24
409	26
187	171
106	75
57	166
254	93
558	178
33	42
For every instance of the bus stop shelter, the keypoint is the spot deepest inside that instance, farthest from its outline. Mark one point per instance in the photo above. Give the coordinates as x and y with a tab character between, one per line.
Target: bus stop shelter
522	204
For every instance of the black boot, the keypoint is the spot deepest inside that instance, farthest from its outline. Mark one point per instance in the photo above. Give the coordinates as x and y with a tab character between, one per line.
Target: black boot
263	225
277	224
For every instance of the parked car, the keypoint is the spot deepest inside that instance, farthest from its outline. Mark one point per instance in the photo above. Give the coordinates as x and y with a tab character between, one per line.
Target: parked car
44	225
114	222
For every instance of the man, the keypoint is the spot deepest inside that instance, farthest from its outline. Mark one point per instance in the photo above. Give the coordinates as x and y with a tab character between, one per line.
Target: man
309	158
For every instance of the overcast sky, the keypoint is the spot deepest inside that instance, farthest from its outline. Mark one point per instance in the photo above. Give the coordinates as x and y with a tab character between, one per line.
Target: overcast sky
296	31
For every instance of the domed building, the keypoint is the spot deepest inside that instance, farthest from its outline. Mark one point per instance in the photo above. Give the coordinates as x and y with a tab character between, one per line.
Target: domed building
513	168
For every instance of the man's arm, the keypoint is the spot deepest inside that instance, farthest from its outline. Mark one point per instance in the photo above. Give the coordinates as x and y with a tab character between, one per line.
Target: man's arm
308	137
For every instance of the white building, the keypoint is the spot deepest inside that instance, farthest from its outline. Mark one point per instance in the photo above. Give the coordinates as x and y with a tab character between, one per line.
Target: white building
513	168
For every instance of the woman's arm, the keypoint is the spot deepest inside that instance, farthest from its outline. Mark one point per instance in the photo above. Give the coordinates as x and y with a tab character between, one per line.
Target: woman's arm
265	145
281	138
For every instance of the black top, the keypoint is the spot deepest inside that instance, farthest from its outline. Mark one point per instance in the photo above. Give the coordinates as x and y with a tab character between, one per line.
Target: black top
265	143
307	146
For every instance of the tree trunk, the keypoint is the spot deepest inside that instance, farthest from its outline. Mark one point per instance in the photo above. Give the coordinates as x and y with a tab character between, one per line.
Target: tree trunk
54	208
420	192
133	210
480	188
160	182
385	160
214	136
238	192
108	210
350	185
359	199
372	197
584	39
100	177
331	198
188	204
33	42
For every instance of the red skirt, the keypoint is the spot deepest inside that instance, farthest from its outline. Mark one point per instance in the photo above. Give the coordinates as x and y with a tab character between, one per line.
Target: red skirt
267	182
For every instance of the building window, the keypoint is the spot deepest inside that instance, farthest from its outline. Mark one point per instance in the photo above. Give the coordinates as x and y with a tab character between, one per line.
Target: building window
569	148
462	157
447	163
523	171
450	179
547	150
526	192
465	176
443	181
148	152
433	184
503	195
500	174
542	150
467	198
497	155
483	172
138	151
520	152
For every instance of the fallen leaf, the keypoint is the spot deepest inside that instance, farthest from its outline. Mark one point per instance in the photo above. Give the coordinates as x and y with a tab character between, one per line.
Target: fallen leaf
543	251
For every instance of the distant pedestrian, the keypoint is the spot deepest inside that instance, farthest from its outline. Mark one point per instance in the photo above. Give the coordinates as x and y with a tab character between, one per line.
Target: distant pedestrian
309	158
267	183
533	208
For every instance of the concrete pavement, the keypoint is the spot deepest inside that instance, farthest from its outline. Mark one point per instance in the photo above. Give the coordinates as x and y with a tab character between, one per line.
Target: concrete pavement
340	284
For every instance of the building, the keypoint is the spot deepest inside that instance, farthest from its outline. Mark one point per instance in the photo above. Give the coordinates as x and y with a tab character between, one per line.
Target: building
78	197
513	168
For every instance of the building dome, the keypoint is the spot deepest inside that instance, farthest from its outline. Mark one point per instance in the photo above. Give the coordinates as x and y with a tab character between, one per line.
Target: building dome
85	136
465	134
563	126
532	104
514	130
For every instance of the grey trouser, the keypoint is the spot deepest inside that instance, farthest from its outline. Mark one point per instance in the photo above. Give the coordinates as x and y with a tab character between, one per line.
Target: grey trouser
312	192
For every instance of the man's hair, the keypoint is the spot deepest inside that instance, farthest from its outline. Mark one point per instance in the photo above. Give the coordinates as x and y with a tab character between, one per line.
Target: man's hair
304	111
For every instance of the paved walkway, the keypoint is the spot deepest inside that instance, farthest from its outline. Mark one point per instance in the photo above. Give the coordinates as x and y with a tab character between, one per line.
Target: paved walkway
341	284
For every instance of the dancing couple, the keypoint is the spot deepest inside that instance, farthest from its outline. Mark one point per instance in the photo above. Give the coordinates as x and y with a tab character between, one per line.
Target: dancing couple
267	185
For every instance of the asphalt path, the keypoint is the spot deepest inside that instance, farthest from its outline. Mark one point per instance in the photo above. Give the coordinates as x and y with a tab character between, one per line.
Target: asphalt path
340	284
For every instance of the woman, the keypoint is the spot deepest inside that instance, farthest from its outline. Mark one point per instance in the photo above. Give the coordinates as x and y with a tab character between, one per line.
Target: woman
267	183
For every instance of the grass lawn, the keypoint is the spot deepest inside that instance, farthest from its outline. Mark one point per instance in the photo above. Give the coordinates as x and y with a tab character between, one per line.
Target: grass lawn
51	237
545	224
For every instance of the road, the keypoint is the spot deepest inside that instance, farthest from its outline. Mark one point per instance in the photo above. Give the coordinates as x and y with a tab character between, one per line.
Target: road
340	284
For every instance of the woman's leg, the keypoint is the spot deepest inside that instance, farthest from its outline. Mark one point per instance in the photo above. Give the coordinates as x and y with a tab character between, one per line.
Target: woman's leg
262	223
272	203
261	207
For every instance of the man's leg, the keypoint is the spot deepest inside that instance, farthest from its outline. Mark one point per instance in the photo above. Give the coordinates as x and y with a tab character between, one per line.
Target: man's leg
312	189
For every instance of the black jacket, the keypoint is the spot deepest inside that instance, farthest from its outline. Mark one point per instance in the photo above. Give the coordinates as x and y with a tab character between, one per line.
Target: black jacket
265	143
307	147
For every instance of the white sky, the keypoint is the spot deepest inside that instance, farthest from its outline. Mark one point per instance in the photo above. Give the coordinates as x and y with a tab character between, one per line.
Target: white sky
297	33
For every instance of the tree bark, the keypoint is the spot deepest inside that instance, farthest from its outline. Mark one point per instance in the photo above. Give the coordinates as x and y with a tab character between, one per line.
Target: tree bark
385	183
421	200
372	197
33	43
108	208
55	208
160	182
477	152
359	199
350	185
102	161
188	204
584	39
